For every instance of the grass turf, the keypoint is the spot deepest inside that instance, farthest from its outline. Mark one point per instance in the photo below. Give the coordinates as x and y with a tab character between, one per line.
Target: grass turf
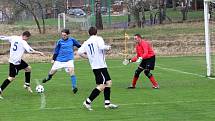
185	94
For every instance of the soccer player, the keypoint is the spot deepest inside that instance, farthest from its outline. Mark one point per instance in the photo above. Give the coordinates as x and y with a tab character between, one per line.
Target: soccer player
146	57
18	46
63	57
94	49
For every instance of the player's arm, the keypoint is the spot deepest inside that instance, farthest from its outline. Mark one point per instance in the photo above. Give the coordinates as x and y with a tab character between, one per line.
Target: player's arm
76	43
134	59
56	51
82	52
102	45
37	52
30	50
5	38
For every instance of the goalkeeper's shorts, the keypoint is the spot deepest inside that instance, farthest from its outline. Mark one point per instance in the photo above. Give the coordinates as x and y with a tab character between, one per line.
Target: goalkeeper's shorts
148	63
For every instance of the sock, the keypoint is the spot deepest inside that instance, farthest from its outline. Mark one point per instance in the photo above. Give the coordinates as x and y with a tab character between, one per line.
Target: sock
49	77
93	95
153	81
107	95
5	84
27	78
134	81
73	80
88	101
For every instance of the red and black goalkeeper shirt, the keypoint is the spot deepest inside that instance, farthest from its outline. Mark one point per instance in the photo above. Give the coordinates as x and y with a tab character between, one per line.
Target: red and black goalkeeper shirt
144	50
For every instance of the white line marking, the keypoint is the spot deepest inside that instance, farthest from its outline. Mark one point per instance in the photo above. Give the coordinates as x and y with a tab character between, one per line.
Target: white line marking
42	97
128	104
183	72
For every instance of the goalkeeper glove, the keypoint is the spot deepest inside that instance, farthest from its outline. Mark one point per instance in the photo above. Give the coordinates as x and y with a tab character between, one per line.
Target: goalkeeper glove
139	60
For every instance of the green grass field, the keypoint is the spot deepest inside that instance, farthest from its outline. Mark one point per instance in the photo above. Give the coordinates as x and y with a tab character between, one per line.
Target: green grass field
185	94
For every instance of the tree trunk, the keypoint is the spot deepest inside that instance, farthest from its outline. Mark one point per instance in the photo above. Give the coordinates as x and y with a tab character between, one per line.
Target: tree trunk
42	12
174	4
195	5
37	22
161	11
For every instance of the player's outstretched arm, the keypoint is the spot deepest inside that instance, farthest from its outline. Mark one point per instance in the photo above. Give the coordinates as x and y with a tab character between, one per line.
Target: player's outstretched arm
83	55
37	52
82	52
5	38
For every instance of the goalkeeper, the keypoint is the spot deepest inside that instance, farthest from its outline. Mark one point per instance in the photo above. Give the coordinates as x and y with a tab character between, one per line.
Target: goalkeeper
146	57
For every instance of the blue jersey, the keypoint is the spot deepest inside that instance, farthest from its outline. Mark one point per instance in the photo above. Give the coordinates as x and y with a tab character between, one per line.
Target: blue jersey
64	49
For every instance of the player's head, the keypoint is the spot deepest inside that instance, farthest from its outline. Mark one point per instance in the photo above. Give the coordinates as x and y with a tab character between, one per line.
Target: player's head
92	31
26	35
65	34
137	37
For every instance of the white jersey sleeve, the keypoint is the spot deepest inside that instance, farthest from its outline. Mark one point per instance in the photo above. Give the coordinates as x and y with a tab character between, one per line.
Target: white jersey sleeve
82	50
101	44
27	47
6	38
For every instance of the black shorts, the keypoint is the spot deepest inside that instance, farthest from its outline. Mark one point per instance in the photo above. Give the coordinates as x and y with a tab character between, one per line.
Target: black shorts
14	69
148	63
101	75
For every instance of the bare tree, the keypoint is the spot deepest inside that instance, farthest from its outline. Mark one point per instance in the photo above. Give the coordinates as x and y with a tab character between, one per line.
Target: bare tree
32	6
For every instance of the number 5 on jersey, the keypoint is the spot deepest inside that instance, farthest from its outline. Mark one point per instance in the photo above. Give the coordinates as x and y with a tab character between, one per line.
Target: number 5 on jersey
15	46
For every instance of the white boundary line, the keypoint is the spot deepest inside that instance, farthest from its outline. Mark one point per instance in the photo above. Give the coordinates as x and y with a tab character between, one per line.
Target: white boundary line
128	104
183	72
42	97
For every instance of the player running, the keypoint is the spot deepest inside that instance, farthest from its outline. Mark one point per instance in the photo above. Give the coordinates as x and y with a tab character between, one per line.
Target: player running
63	57
146	57
18	46
94	49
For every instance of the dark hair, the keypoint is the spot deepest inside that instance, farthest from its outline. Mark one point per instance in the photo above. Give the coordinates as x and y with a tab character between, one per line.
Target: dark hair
65	31
92	31
138	35
26	33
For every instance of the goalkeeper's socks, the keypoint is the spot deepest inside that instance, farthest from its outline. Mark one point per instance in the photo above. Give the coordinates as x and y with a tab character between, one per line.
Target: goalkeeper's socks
107	93
134	81
5	84
93	95
153	81
74	81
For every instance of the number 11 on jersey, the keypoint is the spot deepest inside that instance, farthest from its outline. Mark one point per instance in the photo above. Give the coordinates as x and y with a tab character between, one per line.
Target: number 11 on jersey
91	48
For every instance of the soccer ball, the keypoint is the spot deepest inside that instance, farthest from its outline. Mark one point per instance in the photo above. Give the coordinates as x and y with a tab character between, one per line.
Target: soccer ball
39	89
